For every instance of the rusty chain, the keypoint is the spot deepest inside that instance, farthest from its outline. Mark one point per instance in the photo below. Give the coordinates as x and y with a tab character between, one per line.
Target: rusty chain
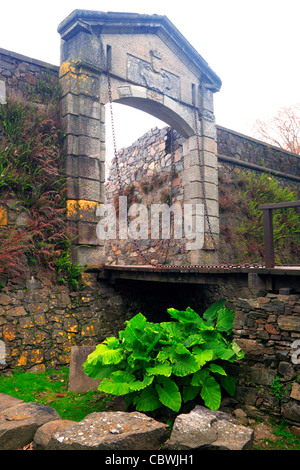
223	264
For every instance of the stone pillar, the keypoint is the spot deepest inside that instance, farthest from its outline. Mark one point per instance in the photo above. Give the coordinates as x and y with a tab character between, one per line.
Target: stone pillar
203	153
83	123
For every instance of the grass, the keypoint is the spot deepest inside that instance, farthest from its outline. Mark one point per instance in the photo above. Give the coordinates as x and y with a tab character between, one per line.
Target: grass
51	388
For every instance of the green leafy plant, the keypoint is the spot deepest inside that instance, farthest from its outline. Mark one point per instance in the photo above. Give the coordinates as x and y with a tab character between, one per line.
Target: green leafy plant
169	363
277	389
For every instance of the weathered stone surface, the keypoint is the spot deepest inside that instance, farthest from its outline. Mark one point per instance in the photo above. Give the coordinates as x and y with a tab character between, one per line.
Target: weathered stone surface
78	380
206	429
295	391
6	401
46	431
18	424
112	431
289	322
291	411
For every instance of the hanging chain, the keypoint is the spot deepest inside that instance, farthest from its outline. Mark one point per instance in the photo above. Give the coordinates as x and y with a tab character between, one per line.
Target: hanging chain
224	264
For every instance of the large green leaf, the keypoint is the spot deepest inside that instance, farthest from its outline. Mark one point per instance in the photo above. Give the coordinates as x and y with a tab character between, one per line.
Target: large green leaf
211	313
97	372
228	383
193	340
134	330
202	356
148	400
119	383
211	393
217	369
168	393
141	384
225	319
160	369
190	392
111	356
187	316
199	377
184	364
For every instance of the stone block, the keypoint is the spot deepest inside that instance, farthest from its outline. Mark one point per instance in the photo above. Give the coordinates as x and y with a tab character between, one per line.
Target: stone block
210	430
289	322
88	234
91	256
112	431
88	190
79	382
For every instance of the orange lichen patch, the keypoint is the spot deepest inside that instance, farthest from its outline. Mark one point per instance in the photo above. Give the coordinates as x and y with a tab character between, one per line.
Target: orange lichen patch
9	333
68	68
88	330
37	356
22	361
81	208
3	216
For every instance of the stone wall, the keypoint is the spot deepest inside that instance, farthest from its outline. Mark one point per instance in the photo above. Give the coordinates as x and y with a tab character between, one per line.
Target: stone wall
151	171
267	328
245	151
41	319
30	77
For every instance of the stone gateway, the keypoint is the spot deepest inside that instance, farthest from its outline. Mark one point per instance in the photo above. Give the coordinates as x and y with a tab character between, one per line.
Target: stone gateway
144	62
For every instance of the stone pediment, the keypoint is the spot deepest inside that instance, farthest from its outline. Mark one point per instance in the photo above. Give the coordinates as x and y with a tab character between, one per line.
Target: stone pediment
147	62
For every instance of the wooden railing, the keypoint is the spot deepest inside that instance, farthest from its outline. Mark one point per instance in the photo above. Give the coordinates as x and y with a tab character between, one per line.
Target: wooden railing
268	228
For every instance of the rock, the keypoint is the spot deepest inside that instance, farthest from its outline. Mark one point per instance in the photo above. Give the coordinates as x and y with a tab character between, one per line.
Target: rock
241	416
208	430
291	411
112	431
46	431
78	380
19	423
262	431
6	401
295	430
295	391
286	370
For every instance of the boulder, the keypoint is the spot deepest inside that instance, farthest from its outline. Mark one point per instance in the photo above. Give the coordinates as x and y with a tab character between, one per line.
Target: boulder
6	401
112	431
205	429
46	431
19	423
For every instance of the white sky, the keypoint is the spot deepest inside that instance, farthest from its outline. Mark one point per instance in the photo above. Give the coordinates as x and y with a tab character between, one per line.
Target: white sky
253	45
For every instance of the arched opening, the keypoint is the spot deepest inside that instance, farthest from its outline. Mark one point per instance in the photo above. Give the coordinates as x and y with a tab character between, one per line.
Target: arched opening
129	125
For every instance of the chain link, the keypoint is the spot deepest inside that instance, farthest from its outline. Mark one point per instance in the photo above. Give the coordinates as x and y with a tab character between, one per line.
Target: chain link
223	264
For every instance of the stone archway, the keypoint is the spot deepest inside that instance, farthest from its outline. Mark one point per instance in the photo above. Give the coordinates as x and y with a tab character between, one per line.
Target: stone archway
153	68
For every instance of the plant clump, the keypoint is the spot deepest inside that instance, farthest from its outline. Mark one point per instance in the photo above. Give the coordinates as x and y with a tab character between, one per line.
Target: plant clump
171	363
33	184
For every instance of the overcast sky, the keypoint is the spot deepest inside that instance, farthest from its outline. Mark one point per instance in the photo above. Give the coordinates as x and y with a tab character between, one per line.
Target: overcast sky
252	45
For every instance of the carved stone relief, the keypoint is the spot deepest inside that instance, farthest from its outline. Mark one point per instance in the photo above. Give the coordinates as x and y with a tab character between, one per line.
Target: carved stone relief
151	75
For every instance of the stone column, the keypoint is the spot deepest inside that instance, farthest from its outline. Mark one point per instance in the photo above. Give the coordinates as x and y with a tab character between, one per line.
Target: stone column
203	153
84	128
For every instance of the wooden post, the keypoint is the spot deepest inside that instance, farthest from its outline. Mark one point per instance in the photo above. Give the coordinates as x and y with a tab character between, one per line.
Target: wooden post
268	238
